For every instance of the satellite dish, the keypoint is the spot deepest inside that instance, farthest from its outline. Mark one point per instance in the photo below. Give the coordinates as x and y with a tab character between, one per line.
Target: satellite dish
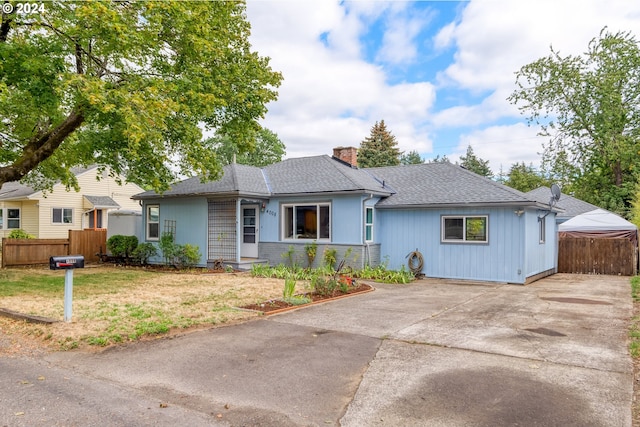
555	192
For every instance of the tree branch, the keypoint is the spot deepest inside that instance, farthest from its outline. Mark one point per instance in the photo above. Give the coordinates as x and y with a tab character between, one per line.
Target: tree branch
40	149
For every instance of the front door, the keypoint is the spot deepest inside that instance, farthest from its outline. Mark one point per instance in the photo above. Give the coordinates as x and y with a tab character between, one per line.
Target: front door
250	228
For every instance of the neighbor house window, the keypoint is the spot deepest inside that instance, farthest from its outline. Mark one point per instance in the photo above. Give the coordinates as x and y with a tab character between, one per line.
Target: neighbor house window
62	216
472	229
542	229
368	224
13	218
153	222
306	221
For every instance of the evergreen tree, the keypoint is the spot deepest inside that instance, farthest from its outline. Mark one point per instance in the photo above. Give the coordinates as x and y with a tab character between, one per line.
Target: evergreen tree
475	164
379	149
411	158
438	159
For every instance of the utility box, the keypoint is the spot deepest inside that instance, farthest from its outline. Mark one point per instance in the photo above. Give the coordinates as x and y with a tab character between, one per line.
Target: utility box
66	262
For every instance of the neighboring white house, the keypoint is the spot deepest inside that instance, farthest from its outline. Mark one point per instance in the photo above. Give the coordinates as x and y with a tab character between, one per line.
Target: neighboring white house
53	214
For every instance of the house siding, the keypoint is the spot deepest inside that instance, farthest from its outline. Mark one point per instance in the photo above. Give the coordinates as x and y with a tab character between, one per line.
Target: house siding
540	257
402	231
189	215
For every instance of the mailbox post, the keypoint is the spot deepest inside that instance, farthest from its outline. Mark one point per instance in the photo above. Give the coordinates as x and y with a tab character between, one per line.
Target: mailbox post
67	263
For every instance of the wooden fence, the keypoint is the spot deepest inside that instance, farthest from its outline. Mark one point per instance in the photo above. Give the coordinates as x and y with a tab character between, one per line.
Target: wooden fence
37	251
586	255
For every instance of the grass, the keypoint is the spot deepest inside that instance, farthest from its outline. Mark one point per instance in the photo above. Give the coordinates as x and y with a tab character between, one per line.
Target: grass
113	305
634	330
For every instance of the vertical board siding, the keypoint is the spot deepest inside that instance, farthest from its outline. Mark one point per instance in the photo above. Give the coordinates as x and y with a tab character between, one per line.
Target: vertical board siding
189	216
502	259
586	255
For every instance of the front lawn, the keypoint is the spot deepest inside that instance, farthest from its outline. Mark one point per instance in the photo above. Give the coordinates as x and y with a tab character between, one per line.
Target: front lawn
116	304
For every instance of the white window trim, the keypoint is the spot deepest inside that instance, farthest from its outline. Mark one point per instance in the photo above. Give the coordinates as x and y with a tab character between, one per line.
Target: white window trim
62	216
6	219
367	224
464	230
147	222
542	230
283	227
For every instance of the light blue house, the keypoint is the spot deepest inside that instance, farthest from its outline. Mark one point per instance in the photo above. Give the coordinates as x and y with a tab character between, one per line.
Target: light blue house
463	225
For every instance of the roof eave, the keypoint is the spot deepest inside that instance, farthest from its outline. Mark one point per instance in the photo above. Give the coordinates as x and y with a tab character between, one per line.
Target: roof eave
202	194
505	204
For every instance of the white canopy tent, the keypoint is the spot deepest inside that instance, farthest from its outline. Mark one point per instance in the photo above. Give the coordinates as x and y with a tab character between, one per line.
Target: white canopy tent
598	223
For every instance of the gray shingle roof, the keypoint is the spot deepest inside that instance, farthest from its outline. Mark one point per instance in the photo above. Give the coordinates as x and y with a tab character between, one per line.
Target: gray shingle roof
100	202
424	185
319	174
444	184
236	179
572	206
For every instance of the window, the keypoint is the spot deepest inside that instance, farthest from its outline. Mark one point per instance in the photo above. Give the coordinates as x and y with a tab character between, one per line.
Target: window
13	218
542	230
62	216
368	224
471	229
153	222
310	221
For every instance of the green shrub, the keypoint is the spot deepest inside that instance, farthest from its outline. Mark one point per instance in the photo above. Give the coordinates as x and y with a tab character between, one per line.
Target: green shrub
329	257
144	251
120	245
311	249
186	255
325	286
167	247
20	234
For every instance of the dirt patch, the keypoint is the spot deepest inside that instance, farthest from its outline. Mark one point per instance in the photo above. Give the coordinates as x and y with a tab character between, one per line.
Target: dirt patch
278	305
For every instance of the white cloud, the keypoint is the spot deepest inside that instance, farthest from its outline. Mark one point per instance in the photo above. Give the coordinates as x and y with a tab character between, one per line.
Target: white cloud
502	146
332	95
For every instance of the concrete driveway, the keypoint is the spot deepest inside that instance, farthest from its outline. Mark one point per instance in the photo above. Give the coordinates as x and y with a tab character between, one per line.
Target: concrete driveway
432	353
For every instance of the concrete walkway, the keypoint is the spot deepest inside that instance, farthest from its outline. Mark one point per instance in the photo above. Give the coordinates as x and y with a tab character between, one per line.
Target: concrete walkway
432	353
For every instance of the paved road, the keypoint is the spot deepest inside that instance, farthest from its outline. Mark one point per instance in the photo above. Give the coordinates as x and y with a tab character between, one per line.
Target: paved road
436	353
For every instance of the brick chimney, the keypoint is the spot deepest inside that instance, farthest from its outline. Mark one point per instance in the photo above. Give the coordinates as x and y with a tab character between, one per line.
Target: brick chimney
346	154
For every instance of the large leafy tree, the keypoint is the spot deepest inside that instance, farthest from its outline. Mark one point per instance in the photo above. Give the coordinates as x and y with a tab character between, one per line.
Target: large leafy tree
475	164
380	148
589	106
525	178
266	150
127	85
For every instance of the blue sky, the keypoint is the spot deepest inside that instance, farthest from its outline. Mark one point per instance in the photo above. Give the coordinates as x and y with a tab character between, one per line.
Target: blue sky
437	72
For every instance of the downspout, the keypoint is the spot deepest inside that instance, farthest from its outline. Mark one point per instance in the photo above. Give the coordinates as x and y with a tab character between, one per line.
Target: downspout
238	231
364	230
